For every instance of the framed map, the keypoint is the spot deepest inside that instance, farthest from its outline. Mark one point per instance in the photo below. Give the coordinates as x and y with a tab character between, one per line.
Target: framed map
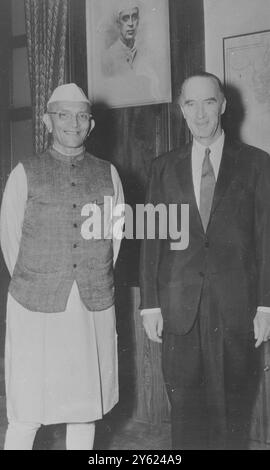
128	52
247	70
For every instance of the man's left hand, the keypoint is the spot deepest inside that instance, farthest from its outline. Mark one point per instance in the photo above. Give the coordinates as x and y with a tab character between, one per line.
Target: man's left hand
261	327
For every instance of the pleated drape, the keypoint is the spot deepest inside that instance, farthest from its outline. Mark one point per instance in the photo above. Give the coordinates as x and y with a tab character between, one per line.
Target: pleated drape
46	27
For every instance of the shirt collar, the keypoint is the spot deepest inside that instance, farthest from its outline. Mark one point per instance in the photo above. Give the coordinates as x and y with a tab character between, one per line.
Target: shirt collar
216	147
69	159
198	153
127	51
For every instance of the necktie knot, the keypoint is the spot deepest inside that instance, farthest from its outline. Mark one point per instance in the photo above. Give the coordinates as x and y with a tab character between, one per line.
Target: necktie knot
207	152
207	165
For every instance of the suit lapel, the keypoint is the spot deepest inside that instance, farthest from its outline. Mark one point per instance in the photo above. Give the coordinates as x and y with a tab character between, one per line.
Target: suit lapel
185	180
225	175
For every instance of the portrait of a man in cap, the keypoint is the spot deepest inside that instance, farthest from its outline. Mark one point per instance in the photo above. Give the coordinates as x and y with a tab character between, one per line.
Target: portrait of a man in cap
61	346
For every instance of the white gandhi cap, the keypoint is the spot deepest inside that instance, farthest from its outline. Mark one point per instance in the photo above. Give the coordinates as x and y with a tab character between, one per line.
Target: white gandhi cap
68	92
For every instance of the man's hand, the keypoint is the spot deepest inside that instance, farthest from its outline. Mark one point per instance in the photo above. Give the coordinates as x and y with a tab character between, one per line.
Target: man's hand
261	327
153	325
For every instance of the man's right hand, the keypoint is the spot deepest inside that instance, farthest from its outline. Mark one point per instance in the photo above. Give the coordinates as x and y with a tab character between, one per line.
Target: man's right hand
153	325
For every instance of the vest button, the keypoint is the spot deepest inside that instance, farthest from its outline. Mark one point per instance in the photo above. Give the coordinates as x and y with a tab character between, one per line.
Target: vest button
73	184
206	244
75	245
73	166
201	274
74	265
74	206
75	225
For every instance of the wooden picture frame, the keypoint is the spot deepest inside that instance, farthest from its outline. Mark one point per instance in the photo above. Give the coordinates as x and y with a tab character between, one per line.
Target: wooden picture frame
129	70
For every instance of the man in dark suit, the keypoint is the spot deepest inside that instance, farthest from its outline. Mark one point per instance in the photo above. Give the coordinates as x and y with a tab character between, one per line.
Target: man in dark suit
206	302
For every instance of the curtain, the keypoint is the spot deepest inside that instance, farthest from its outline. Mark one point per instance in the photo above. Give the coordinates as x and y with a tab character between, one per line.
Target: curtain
46	26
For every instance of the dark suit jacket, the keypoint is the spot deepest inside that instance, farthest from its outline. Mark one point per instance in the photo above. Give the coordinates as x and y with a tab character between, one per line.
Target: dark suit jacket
234	253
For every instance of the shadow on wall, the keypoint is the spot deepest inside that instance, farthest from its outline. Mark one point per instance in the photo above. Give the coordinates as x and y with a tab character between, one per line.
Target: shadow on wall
234	114
4	282
103	138
126	138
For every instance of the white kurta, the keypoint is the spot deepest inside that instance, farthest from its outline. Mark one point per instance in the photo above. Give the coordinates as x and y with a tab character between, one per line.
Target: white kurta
59	367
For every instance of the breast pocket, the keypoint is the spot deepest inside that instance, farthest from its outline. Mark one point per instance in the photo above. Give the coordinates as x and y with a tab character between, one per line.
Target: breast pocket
99	213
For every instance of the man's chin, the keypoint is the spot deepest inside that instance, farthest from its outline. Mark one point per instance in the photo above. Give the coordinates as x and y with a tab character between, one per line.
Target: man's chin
201	135
73	145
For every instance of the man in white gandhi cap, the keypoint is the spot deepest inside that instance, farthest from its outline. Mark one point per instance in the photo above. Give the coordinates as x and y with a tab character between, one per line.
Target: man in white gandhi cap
61	348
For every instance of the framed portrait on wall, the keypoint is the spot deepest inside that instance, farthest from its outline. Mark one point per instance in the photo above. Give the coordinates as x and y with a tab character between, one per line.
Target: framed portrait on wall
128	52
247	73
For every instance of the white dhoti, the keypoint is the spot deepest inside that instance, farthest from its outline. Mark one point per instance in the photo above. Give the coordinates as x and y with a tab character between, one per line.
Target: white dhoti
60	367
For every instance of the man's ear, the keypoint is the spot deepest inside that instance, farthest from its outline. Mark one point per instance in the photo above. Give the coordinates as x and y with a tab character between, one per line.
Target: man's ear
48	122
182	110
91	127
223	106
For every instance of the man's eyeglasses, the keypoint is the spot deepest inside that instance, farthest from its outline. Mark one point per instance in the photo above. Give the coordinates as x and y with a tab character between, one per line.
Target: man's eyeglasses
67	116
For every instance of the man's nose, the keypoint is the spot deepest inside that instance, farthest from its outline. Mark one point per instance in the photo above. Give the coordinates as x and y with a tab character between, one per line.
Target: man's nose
200	110
74	120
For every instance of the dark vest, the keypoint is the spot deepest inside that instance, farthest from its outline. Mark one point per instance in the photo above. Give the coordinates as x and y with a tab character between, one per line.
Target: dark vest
53	253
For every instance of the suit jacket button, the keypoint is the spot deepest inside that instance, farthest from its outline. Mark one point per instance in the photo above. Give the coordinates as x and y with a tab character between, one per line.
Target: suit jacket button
201	274
206	244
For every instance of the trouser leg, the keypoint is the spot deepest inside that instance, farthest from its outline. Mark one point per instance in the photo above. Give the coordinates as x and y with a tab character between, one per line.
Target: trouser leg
20	436
228	377
212	353
241	386
228	364
183	374
80	436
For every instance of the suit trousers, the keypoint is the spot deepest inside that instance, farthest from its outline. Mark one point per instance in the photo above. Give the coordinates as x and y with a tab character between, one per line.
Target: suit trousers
211	379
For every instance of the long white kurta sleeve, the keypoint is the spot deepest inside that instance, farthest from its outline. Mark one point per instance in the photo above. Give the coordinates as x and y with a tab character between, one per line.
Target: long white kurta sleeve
59	367
12	214
118	202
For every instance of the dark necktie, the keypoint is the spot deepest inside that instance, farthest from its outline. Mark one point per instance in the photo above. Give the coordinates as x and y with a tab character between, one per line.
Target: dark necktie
208	182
